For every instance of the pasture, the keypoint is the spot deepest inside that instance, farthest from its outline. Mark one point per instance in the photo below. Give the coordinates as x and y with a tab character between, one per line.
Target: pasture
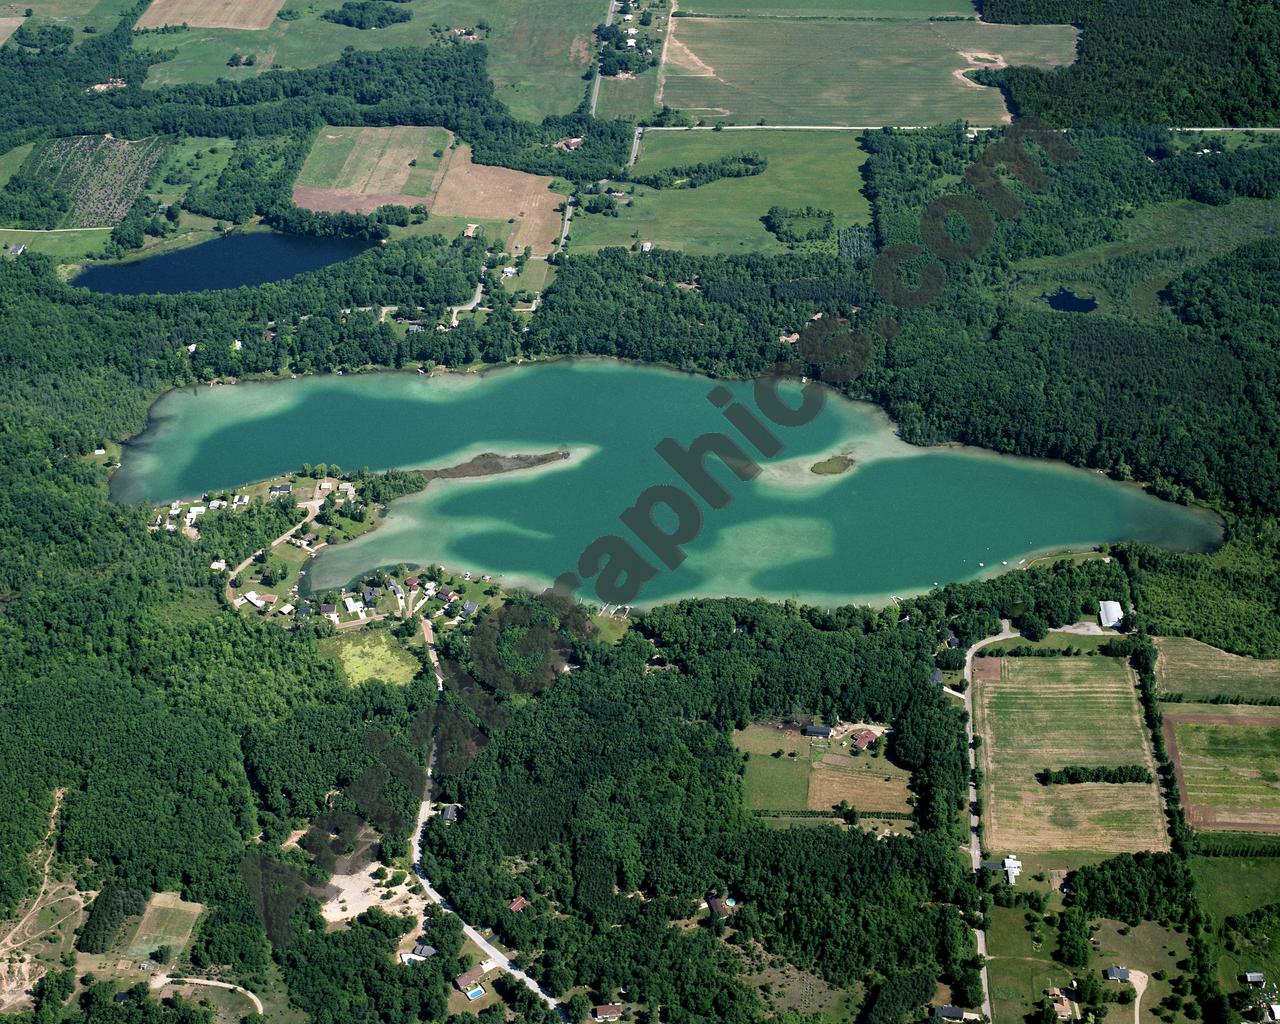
805	168
169	920
538	49
248	14
1228	764
1198	671
360	169
1037	713
836	72
371	654
102	176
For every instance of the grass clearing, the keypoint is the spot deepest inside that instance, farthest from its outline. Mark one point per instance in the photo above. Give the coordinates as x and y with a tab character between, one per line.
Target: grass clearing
12	160
1236	885
1228	763
371	654
901	72
360	169
632	98
810	168
169	920
1198	671
1036	713
538	49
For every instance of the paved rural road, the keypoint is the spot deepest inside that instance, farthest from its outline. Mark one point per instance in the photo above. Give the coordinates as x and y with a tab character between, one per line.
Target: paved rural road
160	980
595	85
475	301
975	846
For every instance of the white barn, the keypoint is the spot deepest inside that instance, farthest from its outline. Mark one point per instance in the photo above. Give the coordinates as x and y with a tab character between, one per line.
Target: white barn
1110	613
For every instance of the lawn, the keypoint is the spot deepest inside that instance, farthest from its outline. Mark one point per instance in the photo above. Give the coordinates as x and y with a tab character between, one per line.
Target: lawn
775	783
1228	761
1019	971
1198	671
371	654
1053	641
538	49
839	72
631	99
1037	713
804	169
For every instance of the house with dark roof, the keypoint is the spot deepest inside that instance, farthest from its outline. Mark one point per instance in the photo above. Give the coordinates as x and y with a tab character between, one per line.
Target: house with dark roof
424	951
863	739
450	813
469	608
468	979
821	731
1116	974
948	1013
278	489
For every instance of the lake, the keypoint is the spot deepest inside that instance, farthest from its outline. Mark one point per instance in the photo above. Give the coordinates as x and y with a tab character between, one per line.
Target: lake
240	258
899	521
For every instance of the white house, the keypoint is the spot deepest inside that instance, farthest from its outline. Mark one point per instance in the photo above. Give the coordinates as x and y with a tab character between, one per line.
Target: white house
1012	868
1110	613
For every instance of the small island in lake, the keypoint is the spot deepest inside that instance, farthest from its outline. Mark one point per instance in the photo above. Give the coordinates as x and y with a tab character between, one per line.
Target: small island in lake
833	466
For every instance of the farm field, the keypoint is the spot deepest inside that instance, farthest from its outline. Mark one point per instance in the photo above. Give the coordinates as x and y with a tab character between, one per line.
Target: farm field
102	176
169	921
828	72
630	98
8	26
1238	884
816	775
538	49
252	14
1183	234
365	168
830	8
1228	763
811	168
370	167
1037	713
371	654
1198	671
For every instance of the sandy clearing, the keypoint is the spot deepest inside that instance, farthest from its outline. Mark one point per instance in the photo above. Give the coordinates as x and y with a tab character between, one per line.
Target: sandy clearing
243	14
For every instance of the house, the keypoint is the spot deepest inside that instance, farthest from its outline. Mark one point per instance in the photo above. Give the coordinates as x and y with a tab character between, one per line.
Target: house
252	597
269	599
285	609
1254	978
1109	614
863	739
468	980
451	813
1117	974
17	250
722	907
631	42
324	485
646	246
278	489
121	997
608	1011
953	641
412	583
937	677
821	731
328	609
948	1013
239	499
469	608
508	271
426	952
370	598
1060	1003
218	565
518	904
1012	869
449	596
471	230
396	589
353	605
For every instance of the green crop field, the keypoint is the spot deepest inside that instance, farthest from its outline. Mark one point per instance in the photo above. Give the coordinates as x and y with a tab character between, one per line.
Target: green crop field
371	654
805	168
1228	765
1037	713
96	15
831	72
1198	671
375	159
538	49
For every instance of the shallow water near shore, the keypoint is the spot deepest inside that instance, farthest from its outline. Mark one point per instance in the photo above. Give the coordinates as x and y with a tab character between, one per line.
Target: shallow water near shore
901	520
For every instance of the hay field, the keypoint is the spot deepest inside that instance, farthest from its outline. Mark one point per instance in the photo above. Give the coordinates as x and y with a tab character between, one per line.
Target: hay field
169	920
1198	671
871	784
482	192
848	9
831	72
1228	764
360	169
805	168
1037	713
242	14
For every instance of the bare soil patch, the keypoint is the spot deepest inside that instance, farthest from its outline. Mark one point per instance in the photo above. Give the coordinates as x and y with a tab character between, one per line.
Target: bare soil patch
498	193
249	14
8	26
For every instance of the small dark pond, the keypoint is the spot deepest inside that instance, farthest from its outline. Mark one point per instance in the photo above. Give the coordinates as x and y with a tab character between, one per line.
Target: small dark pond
1065	301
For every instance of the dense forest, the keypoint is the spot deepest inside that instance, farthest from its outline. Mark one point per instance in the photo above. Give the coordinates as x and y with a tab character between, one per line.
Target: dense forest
1170	62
